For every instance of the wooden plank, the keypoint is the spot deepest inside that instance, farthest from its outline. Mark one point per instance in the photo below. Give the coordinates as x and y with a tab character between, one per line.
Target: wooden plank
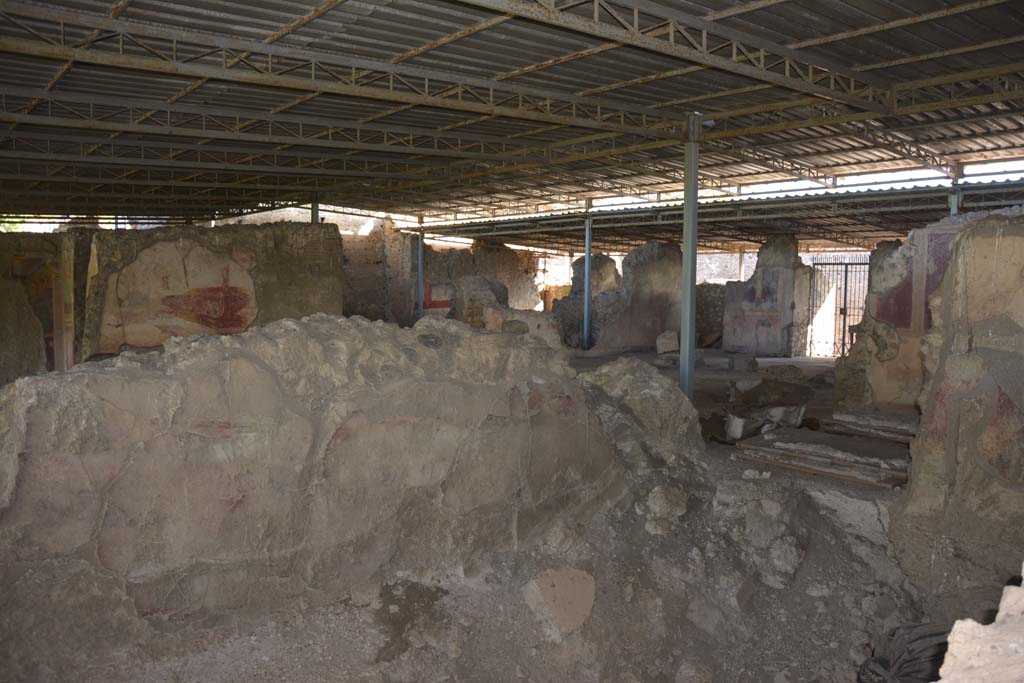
887	485
847	429
822	465
824	459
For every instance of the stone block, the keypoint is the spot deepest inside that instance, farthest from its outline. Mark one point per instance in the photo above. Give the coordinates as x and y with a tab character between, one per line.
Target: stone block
667	342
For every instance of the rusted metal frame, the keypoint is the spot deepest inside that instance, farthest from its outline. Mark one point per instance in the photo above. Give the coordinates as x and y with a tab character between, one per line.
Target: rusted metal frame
840	133
764	108
520	72
132	182
48	141
547	152
939	54
87	145
586	111
757	109
313	14
794	74
193	86
114	11
572	189
741	9
225	198
801	207
153	65
657	229
908	149
785	165
172	164
18	204
206	133
899	23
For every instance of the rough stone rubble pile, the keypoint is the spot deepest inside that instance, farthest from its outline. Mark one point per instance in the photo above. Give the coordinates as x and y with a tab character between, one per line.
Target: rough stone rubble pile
992	653
334	498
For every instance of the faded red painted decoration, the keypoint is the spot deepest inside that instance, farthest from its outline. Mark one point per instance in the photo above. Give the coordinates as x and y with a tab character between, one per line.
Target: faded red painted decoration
217	307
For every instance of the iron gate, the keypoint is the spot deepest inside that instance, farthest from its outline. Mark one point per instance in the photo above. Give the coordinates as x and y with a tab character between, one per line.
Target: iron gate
839	285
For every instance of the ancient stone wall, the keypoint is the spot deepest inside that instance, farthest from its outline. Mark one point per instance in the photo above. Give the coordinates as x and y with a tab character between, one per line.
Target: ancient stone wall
366	282
884	367
710	314
960	532
28	265
568	310
764	315
514	268
23	350
647	304
482	302
148	285
302	460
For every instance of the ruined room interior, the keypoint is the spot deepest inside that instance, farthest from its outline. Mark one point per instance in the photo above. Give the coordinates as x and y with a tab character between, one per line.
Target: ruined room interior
620	341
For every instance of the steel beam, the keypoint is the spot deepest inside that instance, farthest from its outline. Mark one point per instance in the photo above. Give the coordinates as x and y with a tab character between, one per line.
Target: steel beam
201	119
906	148
688	317
588	240
272	65
256	169
915	18
692	40
419	276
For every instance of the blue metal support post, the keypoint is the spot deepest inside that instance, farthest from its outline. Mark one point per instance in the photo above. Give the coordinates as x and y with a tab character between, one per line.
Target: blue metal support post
586	284
688	322
419	278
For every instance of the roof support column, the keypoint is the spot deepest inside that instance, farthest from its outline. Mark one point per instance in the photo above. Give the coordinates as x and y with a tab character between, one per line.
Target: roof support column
955	193
314	210
419	276
688	319
587	239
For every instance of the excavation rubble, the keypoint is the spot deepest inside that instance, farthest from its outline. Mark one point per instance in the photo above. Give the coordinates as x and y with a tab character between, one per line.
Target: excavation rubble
201	513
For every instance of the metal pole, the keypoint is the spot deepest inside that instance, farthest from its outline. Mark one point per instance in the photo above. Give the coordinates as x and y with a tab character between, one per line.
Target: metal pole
314	210
688	319
419	279
954	192
586	284
846	302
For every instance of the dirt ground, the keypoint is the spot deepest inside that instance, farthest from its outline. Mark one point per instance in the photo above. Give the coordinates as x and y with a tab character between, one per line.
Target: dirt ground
424	504
715	571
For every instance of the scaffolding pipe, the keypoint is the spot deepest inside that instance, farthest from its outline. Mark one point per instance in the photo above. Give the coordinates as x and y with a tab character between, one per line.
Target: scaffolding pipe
419	278
688	319
586	283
